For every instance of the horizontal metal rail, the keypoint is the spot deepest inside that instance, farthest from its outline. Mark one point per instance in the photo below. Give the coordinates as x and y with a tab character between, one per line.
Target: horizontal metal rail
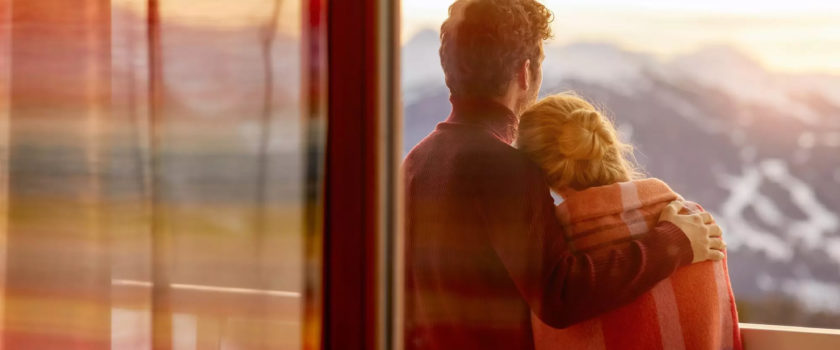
769	337
755	336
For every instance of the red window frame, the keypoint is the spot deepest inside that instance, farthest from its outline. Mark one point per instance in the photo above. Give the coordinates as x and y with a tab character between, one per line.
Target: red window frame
362	156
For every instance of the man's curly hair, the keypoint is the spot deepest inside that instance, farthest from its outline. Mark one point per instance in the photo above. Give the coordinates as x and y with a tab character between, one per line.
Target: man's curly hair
483	42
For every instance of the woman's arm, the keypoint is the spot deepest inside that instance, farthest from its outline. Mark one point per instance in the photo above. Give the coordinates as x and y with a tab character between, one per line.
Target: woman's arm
564	288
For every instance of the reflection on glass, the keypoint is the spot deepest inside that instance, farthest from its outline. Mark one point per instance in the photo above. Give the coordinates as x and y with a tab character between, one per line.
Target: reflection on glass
152	174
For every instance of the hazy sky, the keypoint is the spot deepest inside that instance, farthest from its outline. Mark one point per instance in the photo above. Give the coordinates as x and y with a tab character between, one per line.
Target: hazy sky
796	36
792	35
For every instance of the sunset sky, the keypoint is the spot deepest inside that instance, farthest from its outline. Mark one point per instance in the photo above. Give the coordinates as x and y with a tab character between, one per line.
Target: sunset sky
790	36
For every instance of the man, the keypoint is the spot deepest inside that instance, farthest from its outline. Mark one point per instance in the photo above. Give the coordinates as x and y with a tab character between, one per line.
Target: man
484	248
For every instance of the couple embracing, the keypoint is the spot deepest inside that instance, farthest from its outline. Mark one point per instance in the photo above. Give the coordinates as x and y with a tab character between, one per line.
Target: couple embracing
611	260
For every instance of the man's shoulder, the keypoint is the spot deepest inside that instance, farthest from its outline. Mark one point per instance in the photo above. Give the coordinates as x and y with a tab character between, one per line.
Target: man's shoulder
481	152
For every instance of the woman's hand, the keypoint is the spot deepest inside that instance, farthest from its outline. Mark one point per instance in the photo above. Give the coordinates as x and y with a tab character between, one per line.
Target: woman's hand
701	230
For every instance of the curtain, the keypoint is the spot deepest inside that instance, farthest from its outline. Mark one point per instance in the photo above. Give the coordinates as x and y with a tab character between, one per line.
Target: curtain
153	174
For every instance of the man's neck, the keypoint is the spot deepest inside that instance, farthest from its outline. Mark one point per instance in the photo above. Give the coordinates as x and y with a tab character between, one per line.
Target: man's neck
510	102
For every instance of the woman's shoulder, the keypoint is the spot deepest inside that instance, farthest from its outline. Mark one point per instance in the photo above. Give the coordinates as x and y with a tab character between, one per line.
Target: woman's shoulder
652	189
658	190
645	190
618	197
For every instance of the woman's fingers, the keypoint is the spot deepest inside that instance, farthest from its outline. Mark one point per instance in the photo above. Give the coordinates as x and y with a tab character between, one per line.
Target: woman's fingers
715	255
715	231
672	209
707	218
716	243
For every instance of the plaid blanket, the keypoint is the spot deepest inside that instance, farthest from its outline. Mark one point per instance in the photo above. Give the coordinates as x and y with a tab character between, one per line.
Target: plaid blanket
692	309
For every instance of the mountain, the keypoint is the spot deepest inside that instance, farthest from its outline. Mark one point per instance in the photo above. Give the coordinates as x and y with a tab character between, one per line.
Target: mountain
759	149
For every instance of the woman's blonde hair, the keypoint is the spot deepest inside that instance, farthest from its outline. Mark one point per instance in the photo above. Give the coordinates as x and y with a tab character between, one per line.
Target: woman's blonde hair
575	144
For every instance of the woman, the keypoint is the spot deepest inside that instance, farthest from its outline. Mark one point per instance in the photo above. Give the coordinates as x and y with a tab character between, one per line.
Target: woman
606	200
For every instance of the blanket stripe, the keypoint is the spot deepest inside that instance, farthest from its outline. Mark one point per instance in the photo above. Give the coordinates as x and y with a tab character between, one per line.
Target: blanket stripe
634	218
725	312
666	305
692	309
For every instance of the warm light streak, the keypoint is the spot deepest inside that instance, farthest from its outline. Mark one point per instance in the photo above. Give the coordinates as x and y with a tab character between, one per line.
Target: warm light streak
203	288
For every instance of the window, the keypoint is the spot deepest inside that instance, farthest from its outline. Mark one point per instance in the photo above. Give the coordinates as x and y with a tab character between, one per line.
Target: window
157	160
734	104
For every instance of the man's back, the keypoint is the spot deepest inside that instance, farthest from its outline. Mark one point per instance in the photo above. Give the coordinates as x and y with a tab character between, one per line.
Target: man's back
460	294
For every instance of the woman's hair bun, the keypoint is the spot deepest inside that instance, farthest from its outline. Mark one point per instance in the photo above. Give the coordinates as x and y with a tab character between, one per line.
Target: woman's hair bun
574	144
585	137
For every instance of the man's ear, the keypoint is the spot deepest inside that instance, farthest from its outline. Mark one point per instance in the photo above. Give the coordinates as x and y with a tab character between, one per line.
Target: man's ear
524	75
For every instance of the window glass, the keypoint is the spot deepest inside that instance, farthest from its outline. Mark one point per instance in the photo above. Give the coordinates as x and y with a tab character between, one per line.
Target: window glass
733	103
153	173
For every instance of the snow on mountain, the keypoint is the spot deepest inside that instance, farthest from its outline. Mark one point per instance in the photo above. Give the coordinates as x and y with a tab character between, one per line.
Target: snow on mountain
744	192
819	226
598	63
731	71
825	86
